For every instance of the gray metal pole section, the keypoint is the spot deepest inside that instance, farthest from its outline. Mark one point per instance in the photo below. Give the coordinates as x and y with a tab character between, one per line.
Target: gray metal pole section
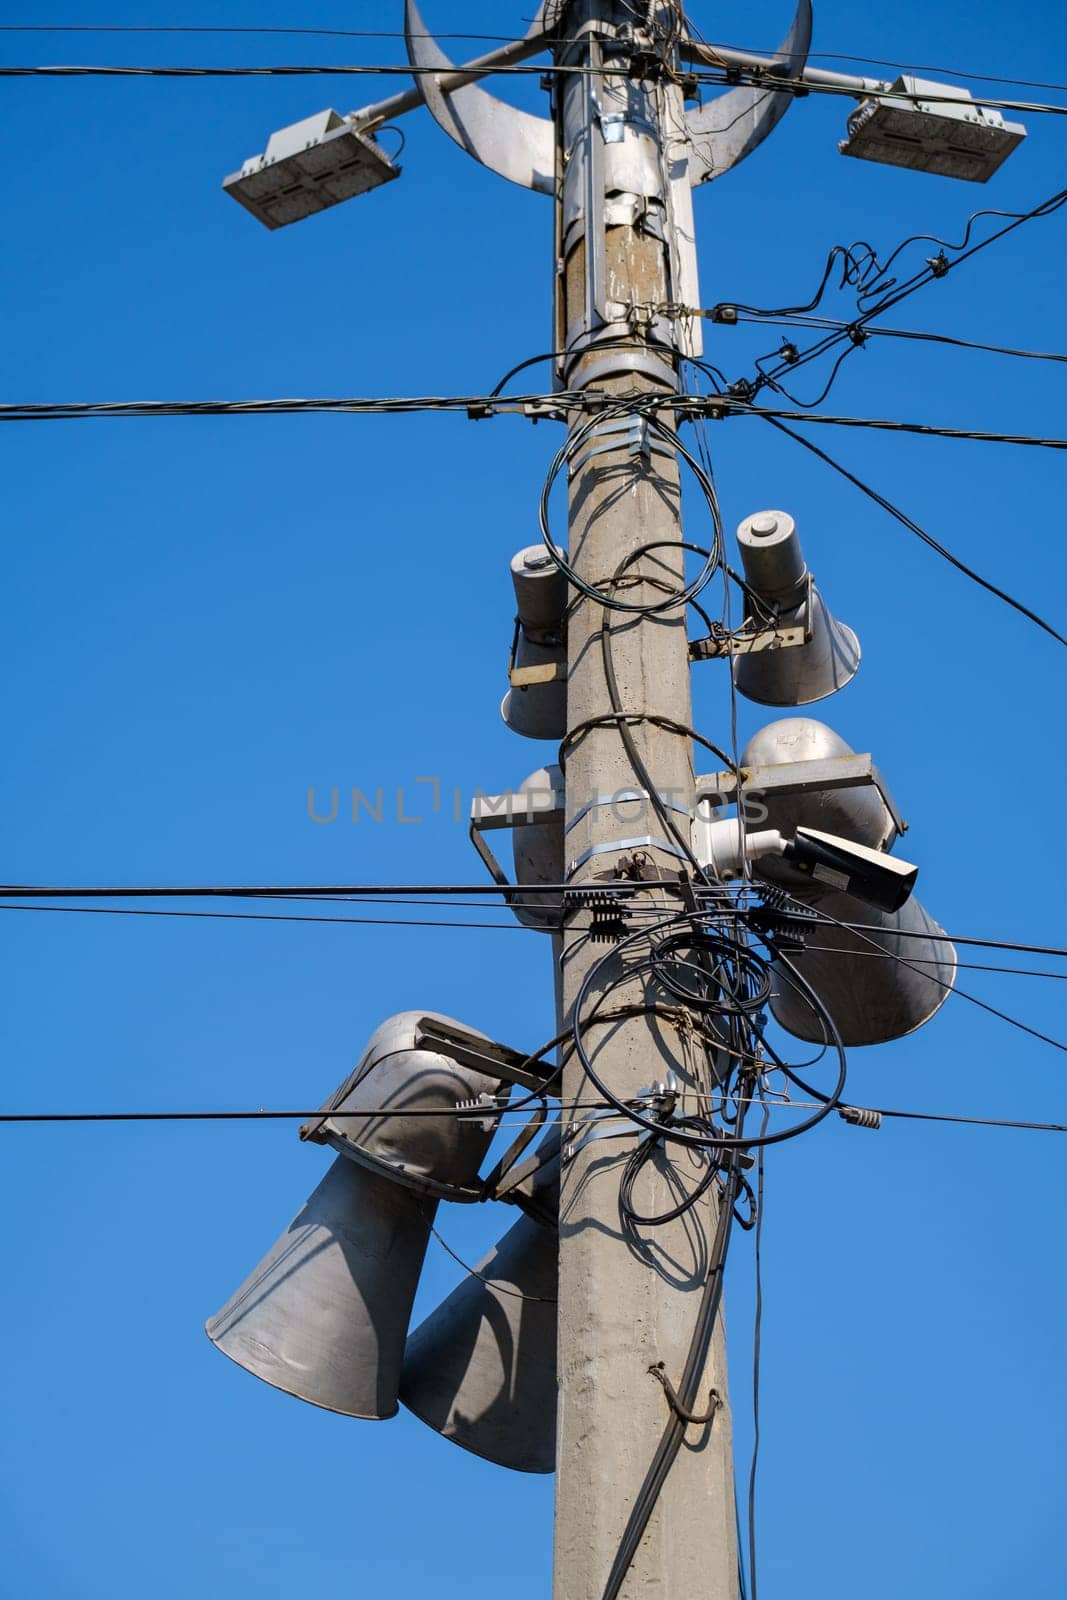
627	1302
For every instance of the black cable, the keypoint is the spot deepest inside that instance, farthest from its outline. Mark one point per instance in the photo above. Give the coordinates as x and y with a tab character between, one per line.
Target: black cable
353	405
498	38
760	77
674	1432
921	533
961	966
261	1115
275	916
870	331
361	890
670	1132
644	415
905	70
892	425
874	283
757	1347
251	891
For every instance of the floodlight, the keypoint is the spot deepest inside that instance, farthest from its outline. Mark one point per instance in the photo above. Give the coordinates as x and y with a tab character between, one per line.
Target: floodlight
308	167
932	127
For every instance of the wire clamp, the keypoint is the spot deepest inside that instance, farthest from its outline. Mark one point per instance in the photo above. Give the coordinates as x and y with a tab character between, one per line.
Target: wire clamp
483	1111
607	1123
609	914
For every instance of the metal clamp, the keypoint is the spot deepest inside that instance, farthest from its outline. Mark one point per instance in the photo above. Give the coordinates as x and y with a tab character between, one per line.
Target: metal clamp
633	432
611	1124
626	797
646	842
775	638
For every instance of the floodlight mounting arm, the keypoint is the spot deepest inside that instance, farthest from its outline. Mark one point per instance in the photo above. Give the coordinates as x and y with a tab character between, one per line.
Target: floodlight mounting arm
715	55
397	105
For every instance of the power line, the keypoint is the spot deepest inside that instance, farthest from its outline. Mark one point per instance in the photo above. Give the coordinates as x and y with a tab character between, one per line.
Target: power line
264	891
948	986
891	425
408	922
873	332
973	1122
858	272
920	533
762	78
320	33
491	38
482	406
771	82
262	1115
277	916
51	411
963	966
403	891
310	70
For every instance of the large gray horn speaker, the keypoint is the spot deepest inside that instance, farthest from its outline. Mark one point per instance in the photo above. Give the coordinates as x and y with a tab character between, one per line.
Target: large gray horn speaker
538	850
775	570
536	705
481	1369
880	983
324	1316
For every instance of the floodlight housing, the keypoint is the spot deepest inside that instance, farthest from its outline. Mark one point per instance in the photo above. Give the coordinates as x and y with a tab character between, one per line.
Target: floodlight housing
308	167
946	134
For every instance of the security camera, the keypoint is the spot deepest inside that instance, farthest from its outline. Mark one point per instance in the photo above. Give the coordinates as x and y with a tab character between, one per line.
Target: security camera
854	869
871	875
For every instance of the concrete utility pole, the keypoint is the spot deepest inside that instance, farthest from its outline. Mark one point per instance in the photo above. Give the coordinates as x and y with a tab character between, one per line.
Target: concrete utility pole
625	1305
645	1503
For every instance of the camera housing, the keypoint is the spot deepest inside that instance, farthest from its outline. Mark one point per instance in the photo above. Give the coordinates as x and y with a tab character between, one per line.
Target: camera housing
871	875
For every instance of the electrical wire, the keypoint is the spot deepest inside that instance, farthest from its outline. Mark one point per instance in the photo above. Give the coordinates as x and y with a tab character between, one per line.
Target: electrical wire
402	405
920	533
402	892
774	82
261	1115
757	1350
497	38
777	81
877	290
891	425
275	916
872	331
949	986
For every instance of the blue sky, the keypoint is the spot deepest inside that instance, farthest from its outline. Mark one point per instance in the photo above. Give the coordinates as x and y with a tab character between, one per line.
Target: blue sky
204	617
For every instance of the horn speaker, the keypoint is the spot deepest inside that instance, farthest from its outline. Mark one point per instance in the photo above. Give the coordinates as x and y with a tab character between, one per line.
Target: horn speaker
324	1316
538	709
776	572
481	1370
